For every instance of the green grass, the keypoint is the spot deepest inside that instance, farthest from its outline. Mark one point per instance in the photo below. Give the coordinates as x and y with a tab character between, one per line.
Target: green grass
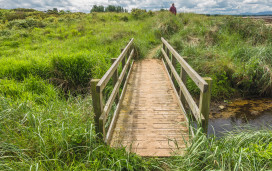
235	52
47	61
237	150
58	135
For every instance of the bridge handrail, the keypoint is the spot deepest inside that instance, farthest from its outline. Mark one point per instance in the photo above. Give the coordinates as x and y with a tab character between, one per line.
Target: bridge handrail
98	85
107	76
199	81
201	112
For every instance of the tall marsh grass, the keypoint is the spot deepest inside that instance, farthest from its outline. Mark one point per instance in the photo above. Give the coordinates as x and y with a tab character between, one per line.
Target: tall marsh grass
234	51
237	150
58	135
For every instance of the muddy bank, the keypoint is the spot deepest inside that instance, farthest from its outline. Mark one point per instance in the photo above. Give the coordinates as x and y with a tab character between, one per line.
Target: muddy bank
250	108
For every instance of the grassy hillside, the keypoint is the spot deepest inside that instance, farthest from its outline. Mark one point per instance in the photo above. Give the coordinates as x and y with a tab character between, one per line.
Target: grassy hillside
47	61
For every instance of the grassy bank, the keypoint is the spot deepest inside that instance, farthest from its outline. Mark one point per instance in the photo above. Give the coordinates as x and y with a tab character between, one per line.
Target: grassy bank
237	150
235	52
47	61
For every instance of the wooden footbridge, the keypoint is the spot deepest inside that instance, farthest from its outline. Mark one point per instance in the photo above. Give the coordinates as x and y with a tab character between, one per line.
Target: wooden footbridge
149	106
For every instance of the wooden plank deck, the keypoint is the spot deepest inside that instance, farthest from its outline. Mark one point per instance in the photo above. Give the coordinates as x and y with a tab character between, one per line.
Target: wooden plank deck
151	122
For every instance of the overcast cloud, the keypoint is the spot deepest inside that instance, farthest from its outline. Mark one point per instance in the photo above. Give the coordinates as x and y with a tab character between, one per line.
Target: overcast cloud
197	6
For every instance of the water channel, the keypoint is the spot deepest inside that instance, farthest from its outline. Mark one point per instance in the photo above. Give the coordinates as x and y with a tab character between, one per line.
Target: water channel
241	114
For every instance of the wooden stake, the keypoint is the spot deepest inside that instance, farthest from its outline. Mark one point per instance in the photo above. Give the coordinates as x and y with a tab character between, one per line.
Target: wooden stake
114	80
204	104
97	105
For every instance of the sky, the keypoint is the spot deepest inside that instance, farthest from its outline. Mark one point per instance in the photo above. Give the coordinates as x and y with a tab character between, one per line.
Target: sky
196	6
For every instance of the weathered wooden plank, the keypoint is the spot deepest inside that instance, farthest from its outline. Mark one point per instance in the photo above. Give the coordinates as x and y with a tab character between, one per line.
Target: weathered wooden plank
182	108
193	106
202	84
140	117
107	76
204	103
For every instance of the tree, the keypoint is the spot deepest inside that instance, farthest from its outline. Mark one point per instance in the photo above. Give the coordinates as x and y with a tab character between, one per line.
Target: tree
55	10
110	8
98	8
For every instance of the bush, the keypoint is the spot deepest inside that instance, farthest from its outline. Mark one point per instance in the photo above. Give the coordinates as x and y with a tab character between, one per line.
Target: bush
124	18
74	72
28	23
138	13
167	25
19	70
10	16
5	33
256	31
32	88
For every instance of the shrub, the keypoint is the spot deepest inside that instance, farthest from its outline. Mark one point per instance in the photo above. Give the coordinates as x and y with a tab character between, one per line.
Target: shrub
167	25
24	10
150	13
5	33
10	16
21	69
73	73
32	88
124	18
248	29
28	23
138	13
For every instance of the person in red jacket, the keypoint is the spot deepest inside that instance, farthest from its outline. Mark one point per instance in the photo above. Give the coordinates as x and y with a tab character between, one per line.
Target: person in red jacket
173	9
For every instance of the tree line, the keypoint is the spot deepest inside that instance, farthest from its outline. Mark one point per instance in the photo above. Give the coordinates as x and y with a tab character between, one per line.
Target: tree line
110	8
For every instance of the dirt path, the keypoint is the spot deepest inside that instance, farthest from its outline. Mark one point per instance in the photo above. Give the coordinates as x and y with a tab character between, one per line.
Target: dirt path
152	53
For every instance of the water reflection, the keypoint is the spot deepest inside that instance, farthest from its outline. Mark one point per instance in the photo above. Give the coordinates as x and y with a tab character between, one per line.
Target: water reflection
241	119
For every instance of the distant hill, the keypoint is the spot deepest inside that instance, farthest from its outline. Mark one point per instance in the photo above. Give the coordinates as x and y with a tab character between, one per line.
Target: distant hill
265	13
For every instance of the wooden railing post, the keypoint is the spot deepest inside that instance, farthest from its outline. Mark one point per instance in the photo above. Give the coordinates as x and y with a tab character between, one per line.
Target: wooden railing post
168	54
174	63
124	60
204	104
97	106
114	80
131	49
124	63
183	76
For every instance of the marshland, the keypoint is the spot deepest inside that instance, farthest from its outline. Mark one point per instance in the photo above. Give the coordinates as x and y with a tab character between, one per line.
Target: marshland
48	59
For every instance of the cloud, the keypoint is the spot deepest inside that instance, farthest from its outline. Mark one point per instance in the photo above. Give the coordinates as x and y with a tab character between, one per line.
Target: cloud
198	6
251	1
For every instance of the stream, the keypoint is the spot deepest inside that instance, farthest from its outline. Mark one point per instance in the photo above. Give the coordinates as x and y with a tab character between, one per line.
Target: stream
241	114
